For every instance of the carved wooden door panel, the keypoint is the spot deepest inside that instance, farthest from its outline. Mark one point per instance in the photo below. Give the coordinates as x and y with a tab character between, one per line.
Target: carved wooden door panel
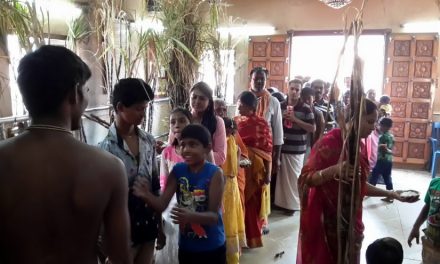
271	52
411	80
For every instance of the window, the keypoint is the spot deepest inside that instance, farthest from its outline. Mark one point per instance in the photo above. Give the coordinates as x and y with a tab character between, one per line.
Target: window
15	54
207	72
317	57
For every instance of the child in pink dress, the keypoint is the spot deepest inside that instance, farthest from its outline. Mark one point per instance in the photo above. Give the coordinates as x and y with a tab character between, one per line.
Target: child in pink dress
179	119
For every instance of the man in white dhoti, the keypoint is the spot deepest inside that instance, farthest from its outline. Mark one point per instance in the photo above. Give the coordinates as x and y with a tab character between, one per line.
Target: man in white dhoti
298	121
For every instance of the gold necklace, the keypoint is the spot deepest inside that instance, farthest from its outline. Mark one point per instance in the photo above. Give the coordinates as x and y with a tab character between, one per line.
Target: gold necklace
49	127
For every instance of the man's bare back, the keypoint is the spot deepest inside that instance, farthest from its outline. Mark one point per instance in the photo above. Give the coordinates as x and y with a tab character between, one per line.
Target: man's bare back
54	194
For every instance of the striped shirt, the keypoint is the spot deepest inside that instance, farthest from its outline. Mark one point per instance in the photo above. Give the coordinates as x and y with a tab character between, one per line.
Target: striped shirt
295	138
330	122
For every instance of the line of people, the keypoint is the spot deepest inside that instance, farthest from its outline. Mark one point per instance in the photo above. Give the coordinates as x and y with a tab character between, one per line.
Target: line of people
58	195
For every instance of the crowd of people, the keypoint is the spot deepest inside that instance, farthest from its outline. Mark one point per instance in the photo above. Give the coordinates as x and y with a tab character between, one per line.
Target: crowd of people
63	201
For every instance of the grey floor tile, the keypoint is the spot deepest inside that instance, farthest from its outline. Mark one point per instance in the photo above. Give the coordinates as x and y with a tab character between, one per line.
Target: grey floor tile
380	219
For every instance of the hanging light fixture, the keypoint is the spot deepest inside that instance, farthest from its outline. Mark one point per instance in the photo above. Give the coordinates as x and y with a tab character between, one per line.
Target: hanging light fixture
336	3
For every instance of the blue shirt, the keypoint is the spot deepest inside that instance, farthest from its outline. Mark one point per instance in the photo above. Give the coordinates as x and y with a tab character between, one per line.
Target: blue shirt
193	193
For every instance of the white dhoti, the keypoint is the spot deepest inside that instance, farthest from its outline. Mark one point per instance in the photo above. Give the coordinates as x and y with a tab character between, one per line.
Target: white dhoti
286	189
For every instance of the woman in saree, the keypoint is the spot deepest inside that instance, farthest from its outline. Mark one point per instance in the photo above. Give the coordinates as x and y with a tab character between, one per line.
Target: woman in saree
318	187
257	137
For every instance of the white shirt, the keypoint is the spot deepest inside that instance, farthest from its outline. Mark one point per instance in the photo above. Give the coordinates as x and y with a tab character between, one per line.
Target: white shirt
275	120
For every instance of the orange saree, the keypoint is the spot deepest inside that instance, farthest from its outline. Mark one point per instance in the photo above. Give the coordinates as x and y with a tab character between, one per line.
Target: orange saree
257	137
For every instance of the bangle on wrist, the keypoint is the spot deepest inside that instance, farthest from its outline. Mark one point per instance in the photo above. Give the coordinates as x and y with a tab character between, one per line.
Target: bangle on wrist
320	175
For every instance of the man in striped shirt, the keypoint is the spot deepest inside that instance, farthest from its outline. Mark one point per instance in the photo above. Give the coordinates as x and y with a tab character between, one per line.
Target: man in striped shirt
298	121
323	105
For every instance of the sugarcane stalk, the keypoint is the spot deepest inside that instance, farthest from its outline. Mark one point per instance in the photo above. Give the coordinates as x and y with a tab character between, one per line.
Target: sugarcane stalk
349	193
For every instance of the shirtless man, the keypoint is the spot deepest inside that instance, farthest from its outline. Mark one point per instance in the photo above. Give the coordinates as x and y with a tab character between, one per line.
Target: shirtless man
54	190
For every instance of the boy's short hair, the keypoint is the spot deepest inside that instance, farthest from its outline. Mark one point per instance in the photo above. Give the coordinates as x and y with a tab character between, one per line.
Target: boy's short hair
197	132
298	81
307	91
279	96
385	250
317	82
385	99
131	91
386	122
249	99
46	77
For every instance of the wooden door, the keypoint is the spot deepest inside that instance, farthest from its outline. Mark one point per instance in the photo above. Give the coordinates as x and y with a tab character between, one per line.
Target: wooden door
411	79
271	52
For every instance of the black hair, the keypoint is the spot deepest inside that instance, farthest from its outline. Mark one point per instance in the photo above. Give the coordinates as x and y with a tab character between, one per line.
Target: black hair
229	123
385	250
209	119
315	82
271	90
259	70
307	91
386	122
249	99
131	91
46	77
186	113
280	96
385	99
370	106
298	81
197	132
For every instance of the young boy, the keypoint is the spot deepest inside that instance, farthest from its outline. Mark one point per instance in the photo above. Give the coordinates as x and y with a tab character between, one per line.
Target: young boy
136	149
385	250
385	107
431	213
199	187
55	191
384	163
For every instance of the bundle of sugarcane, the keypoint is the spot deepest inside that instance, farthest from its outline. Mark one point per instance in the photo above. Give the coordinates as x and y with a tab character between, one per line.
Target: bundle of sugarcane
349	197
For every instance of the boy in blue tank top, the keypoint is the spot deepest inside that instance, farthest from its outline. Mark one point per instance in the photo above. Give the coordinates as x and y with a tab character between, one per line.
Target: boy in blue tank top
199	186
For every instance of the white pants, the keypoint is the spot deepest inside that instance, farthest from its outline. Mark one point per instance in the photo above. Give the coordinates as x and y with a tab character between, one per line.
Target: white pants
286	189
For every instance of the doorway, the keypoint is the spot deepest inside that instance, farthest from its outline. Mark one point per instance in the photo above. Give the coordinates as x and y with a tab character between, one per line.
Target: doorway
317	56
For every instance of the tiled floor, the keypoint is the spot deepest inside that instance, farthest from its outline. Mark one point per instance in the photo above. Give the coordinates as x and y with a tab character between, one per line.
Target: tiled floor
380	219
